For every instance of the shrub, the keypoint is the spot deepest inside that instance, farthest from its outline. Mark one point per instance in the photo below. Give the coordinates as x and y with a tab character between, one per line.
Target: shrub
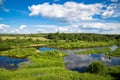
97	67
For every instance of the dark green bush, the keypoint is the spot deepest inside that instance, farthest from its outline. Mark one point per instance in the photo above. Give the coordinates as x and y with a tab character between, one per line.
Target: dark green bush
97	67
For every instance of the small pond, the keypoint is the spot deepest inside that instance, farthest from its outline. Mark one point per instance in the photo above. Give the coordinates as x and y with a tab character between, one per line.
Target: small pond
81	62
10	62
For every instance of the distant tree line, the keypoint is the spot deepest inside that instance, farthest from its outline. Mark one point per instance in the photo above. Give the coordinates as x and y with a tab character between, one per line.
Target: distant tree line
82	36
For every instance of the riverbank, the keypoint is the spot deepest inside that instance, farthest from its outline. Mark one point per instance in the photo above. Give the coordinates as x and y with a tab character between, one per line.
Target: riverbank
80	44
19	52
106	51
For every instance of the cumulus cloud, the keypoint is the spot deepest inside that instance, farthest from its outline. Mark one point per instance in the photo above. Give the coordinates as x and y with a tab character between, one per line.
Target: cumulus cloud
22	27
73	11
3	26
107	14
70	11
85	27
15	31
55	28
112	10
98	25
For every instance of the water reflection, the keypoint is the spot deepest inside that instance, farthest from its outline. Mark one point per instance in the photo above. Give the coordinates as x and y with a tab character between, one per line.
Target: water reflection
81	62
46	49
10	62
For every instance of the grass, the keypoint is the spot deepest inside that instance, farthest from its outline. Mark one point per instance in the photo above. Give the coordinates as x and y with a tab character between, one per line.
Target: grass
49	73
80	44
22	37
93	51
14	41
115	53
19	52
47	65
106	51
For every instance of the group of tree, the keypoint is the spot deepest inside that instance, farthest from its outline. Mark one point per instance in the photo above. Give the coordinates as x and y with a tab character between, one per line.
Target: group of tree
82	36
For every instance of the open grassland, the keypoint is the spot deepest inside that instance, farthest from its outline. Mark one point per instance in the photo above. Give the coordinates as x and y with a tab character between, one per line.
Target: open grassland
22	37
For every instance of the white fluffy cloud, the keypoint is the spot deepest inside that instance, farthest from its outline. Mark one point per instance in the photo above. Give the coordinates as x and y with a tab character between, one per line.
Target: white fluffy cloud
22	27
107	13
112	10
55	28
3	26
98	26
70	11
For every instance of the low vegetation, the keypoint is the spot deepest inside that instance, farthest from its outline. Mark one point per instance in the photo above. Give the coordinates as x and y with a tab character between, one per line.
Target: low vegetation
115	53
97	67
106	51
49	65
80	44
93	51
19	52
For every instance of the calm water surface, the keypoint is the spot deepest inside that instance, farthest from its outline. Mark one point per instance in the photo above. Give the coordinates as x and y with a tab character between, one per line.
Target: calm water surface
82	61
72	61
10	62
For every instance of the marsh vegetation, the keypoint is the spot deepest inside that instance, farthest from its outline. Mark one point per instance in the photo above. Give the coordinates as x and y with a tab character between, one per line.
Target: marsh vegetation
51	64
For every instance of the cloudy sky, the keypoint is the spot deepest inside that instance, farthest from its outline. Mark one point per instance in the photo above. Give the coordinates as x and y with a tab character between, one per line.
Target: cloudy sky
47	16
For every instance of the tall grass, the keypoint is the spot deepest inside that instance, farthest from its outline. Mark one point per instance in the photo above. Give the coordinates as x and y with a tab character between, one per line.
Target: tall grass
80	44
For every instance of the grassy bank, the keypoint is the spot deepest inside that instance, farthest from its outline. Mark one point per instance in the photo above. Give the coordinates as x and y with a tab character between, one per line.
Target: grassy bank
19	52
115	53
48	73
93	51
80	44
106	51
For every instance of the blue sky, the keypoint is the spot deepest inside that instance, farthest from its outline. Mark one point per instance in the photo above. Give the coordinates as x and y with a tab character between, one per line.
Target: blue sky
47	16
